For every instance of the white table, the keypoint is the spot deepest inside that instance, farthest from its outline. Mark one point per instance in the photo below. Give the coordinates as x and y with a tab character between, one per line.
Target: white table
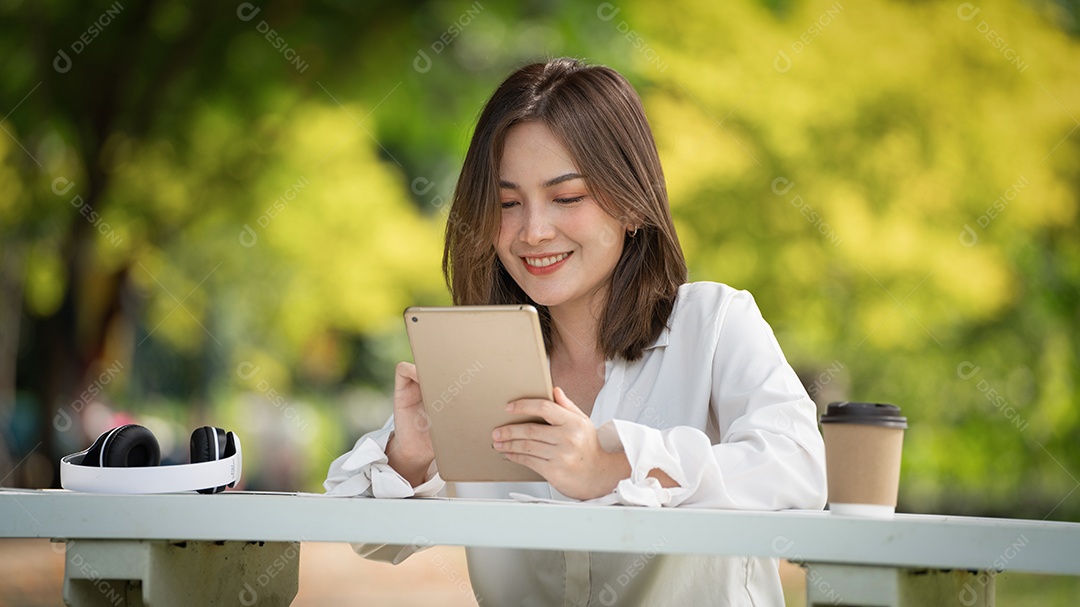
237	547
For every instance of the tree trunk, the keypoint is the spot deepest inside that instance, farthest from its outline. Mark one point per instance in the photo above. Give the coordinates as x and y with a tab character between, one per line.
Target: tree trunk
12	278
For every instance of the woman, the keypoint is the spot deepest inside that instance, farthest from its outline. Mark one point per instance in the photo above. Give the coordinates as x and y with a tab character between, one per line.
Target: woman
667	393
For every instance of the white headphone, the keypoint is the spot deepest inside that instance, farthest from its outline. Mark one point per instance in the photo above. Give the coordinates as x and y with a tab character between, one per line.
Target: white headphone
126	460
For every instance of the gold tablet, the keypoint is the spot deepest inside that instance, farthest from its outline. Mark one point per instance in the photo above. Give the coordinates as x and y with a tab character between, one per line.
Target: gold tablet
471	361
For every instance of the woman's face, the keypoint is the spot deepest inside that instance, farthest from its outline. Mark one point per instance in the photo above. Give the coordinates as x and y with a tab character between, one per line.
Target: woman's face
555	240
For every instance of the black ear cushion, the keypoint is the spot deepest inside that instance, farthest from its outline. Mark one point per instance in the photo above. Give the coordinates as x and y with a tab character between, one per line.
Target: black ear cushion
127	446
203	444
230	445
230	450
202	449
93	454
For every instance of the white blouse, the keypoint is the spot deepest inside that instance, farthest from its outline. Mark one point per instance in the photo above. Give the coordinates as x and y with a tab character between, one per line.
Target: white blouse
715	405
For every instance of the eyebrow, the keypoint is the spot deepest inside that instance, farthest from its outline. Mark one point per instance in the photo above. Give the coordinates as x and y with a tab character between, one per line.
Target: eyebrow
510	185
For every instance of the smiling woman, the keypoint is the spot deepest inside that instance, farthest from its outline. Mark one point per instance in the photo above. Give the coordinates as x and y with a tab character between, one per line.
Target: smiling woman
553	225
587	125
666	394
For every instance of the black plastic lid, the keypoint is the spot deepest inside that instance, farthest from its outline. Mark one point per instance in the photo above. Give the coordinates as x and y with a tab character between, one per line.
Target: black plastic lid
871	414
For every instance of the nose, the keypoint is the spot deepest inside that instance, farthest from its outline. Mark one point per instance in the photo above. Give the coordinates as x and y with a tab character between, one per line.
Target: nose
538	226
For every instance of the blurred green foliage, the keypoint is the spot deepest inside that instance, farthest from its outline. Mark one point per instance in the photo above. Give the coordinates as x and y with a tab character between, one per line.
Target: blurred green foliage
895	182
899	191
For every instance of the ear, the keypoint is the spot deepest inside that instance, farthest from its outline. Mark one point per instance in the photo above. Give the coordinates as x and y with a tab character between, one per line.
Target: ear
632	220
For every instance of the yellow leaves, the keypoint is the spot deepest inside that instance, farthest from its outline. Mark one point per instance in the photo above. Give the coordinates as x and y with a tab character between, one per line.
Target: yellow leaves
695	149
735	262
303	227
804	259
886	324
1035	199
44	279
339	215
896	241
897	125
176	302
149	180
977	283
848	211
11	190
892	157
1056	407
257	369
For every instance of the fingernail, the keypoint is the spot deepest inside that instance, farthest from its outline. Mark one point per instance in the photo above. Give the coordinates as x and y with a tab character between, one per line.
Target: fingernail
496	434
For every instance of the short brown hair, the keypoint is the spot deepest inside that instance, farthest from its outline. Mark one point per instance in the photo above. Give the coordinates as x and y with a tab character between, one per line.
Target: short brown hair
598	116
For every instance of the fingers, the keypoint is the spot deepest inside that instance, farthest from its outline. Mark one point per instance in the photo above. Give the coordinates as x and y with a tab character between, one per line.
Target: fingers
536	407
541	433
565	451
526	448
563	400
402	377
406	386
537	464
405	370
547	442
553	412
562	417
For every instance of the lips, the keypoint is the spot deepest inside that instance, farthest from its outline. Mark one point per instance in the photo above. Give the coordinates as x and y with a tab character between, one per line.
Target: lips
545	264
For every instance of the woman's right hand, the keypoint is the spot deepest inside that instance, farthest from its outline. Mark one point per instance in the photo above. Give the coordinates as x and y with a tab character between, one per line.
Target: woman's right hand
409	451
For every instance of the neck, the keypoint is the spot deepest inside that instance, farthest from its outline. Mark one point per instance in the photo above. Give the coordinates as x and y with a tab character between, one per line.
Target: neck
575	328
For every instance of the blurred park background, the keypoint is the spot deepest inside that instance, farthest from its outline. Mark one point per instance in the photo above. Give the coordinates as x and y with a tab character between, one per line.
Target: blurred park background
214	213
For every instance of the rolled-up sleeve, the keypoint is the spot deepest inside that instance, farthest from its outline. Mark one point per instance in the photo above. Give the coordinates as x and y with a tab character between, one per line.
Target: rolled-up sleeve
770	455
365	471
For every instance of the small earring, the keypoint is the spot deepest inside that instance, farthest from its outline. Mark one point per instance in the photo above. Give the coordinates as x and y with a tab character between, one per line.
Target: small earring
634	233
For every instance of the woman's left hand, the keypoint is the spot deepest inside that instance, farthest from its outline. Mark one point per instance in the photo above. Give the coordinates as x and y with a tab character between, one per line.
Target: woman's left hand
566	451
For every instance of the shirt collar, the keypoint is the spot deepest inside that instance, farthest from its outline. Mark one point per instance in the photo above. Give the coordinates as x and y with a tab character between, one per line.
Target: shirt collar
661	340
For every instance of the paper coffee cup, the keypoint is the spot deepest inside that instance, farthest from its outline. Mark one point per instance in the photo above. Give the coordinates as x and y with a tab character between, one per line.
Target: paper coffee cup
863	444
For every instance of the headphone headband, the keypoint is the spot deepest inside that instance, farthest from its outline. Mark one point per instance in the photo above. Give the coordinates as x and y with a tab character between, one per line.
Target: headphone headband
150	479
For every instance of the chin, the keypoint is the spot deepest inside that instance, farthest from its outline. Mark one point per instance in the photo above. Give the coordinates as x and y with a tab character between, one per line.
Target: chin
546	299
547	302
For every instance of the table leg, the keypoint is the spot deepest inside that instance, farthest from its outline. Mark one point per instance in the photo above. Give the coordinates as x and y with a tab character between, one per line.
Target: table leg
166	574
830	584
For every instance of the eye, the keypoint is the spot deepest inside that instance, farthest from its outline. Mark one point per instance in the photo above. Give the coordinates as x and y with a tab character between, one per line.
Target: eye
506	204
570	200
